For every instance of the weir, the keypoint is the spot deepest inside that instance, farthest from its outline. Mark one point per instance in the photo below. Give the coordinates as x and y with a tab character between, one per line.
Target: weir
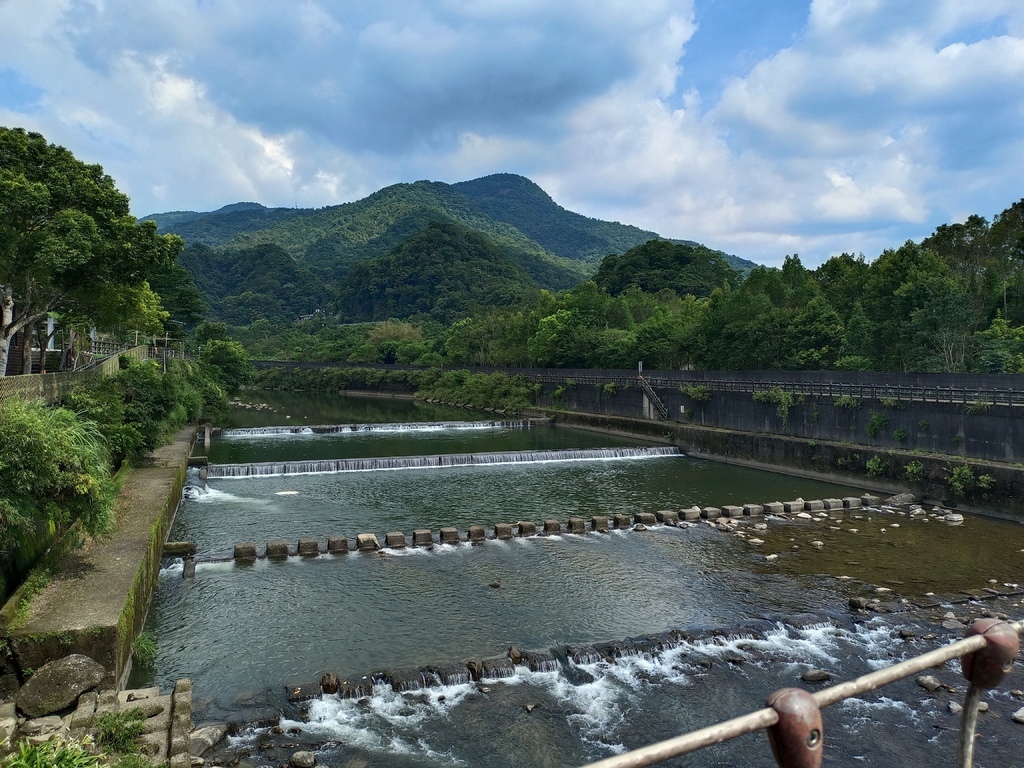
335	429
325	466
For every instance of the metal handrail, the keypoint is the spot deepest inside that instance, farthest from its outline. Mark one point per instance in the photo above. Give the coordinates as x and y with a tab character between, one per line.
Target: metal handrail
769	717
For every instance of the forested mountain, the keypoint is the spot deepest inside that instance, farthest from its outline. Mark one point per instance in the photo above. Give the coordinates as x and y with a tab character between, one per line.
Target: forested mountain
518	201
242	285
445	271
555	248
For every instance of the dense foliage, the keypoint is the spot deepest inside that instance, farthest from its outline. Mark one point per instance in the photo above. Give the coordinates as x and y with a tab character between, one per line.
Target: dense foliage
57	464
445	271
69	244
242	285
659	265
54	470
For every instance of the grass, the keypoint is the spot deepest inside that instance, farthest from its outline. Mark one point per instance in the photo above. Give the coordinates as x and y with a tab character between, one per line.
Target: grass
52	754
118	730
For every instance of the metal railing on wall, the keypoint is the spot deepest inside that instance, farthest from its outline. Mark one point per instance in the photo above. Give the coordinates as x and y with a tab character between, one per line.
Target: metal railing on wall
934	388
52	387
793	716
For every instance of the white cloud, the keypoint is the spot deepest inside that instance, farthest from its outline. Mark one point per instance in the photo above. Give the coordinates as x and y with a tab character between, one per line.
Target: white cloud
879	119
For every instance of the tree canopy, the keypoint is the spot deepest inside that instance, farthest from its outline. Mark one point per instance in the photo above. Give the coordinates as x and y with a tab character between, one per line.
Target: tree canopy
68	242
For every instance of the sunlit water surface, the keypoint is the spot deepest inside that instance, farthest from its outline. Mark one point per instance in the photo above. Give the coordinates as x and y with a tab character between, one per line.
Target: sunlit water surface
244	632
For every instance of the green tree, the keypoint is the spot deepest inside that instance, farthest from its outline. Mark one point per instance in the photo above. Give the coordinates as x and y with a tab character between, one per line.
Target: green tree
68	242
231	361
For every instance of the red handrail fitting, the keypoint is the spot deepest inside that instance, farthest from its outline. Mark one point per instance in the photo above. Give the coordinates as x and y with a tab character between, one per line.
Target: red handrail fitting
986	667
797	739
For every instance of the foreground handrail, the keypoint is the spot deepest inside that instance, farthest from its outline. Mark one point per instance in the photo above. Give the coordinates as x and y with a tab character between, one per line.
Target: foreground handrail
768	717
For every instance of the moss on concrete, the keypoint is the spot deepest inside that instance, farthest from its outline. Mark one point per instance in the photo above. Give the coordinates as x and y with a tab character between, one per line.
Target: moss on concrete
97	602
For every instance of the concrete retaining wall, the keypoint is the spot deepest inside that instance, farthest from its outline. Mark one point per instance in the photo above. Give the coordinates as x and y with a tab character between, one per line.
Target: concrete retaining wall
97	605
993	432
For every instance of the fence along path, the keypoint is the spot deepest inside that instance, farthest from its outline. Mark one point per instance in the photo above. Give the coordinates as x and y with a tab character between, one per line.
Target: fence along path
52	387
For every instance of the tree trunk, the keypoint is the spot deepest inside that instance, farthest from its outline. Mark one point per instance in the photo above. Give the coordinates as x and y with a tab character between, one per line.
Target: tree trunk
26	350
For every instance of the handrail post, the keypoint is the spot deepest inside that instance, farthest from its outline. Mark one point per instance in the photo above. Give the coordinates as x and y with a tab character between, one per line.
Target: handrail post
984	668
797	739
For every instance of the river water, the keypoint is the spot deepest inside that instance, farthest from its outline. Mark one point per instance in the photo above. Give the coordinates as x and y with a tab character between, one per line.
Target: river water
746	624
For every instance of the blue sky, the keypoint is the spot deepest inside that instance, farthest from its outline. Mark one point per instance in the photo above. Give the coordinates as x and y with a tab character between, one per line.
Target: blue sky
761	128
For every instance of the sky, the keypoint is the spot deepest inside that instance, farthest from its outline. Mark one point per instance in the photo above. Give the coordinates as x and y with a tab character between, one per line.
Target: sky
762	128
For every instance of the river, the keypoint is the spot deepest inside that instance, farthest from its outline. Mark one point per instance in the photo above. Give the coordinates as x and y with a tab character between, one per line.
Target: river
745	624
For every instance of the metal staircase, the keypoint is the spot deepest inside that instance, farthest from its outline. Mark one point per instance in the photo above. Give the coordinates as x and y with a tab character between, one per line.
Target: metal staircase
652	397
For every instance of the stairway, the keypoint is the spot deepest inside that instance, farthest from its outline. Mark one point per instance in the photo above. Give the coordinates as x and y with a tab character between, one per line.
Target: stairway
653	397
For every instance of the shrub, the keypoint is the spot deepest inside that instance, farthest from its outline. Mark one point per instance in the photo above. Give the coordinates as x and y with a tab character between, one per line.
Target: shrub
877	466
144	650
914	471
960	480
54	471
877	422
899	435
699	392
118	730
779	397
846	401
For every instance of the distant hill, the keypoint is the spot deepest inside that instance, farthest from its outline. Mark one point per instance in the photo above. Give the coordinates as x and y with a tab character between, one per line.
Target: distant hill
521	224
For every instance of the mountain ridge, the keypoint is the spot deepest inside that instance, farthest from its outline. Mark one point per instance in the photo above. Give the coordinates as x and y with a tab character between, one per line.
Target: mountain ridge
557	247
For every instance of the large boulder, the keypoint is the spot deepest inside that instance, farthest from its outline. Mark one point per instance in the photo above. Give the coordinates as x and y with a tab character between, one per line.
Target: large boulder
57	685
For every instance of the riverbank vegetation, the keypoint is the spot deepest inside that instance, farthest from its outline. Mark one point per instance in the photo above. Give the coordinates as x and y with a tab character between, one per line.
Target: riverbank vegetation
951	303
58	464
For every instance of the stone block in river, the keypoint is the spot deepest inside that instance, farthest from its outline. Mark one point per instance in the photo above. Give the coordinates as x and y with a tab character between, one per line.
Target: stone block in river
667	516
394	540
623	521
367	542
503	531
449	535
337	545
851	502
867	500
690	514
577	525
815	505
277	549
831	504
245	551
309	547
527	528
793	506
711	513
422	537
730	510
552	527
645	518
476	534
599	523
753	510
774	508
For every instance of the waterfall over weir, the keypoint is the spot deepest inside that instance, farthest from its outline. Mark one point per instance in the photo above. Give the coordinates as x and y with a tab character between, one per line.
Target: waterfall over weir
270	468
334	429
